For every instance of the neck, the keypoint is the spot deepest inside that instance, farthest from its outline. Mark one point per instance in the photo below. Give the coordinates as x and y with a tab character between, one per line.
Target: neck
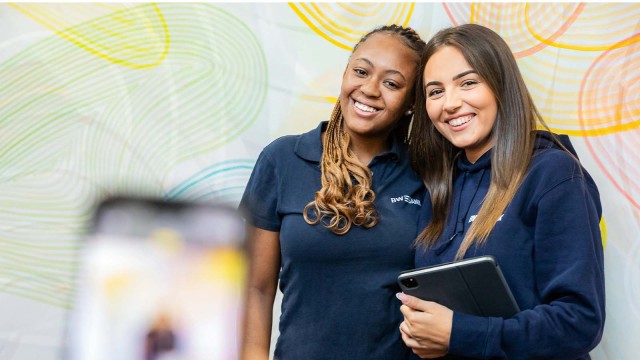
366	148
473	156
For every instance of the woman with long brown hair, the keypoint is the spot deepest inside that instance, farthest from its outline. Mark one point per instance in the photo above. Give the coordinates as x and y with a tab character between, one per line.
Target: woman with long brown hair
497	186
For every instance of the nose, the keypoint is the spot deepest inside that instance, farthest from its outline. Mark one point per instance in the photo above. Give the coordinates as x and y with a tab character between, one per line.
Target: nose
369	87
452	101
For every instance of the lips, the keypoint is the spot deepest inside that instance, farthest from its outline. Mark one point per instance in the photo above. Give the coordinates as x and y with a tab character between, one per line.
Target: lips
365	108
460	120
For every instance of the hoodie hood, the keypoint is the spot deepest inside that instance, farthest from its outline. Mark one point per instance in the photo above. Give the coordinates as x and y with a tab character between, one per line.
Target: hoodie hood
483	163
472	181
544	140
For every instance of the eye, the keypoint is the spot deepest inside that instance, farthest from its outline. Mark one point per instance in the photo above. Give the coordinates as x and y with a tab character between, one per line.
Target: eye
435	93
469	83
360	72
391	84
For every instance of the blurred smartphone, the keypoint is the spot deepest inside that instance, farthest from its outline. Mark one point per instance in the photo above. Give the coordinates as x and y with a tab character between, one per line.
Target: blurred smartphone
159	281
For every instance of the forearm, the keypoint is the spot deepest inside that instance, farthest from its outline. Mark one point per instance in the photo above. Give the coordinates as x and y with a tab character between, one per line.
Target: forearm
542	332
258	320
261	292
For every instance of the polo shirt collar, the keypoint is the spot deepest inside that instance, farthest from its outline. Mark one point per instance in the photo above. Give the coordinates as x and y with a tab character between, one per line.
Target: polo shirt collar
309	145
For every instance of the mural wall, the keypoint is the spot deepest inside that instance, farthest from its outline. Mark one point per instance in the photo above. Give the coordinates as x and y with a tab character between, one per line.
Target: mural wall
176	101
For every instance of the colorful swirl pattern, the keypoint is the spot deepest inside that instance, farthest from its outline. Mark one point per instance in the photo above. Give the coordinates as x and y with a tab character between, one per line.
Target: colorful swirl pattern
610	99
78	124
342	24
136	36
222	182
555	43
175	101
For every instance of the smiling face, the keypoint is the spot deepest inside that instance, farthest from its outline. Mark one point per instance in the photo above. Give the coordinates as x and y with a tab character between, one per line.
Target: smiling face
376	86
459	102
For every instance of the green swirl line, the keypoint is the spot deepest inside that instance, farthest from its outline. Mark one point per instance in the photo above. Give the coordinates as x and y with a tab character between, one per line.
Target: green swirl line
82	127
225	180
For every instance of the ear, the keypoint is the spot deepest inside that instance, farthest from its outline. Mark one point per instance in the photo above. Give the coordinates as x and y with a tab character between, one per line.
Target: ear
409	110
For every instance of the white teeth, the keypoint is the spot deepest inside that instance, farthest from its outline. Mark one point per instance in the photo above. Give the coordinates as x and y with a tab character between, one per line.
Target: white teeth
461	120
364	107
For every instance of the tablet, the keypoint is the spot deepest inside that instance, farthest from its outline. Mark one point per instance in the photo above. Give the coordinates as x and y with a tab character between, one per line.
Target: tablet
474	286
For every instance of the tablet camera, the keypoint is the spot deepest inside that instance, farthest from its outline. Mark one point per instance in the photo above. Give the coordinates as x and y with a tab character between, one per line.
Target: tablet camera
410	283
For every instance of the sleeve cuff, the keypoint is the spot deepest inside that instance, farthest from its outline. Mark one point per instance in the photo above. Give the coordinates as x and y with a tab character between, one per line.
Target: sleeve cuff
469	335
264	225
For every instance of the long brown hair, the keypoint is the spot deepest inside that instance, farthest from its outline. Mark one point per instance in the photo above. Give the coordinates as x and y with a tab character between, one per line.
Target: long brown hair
346	197
433	156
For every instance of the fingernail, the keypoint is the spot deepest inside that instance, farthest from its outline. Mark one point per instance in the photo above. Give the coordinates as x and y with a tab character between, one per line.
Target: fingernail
400	296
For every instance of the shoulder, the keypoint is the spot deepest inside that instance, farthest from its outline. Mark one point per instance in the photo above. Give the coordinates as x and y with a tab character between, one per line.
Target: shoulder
307	146
281	146
555	170
281	151
275	156
549	169
554	165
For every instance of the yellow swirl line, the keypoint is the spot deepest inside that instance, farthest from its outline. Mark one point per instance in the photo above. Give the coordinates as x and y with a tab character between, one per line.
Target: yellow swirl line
326	27
361	13
409	14
112	7
331	22
45	22
472	12
316	29
632	40
330	26
332	13
603	231
331	99
321	99
67	34
597	132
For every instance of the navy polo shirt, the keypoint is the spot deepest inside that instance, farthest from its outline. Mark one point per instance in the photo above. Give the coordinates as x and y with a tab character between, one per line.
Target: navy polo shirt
338	291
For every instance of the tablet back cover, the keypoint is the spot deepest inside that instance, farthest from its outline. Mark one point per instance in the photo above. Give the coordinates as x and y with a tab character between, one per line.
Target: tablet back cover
474	286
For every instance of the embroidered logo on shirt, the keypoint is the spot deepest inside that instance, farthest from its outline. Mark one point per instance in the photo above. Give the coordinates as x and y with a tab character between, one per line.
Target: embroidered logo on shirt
406	198
473	217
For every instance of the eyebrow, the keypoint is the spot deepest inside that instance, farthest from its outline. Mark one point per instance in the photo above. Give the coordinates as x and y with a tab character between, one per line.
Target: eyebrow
462	74
391	71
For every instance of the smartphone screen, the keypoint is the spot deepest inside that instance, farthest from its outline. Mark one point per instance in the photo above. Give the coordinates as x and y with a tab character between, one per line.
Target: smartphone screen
159	281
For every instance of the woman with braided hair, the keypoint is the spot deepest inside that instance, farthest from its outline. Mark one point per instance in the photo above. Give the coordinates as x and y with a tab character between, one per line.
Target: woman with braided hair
335	212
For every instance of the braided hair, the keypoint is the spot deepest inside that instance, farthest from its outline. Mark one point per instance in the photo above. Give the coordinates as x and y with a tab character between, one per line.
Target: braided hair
346	197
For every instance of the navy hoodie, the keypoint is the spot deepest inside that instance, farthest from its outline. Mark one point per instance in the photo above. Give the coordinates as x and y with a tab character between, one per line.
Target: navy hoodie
549	247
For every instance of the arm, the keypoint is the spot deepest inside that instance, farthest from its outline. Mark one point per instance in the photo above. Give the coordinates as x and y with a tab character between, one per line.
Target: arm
568	320
261	291
260	203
